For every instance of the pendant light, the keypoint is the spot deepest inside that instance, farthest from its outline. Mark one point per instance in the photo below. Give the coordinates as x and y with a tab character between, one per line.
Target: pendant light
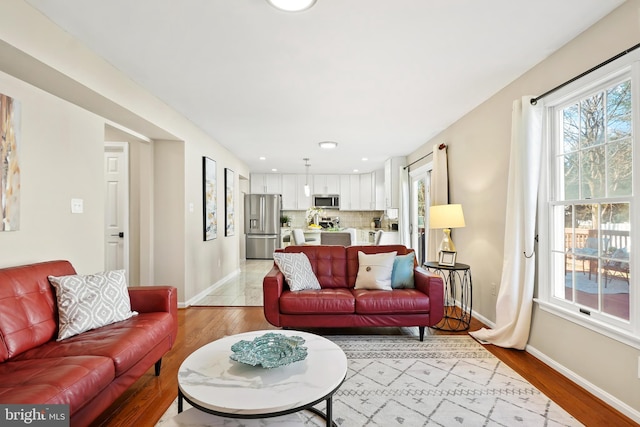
307	189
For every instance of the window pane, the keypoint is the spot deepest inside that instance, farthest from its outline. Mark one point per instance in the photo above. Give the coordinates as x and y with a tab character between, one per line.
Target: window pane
619	168
619	111
592	171
571	176
592	120
570	128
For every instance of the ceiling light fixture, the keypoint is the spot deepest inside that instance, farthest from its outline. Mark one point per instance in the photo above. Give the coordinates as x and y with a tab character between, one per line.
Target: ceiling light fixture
292	5
328	145
307	189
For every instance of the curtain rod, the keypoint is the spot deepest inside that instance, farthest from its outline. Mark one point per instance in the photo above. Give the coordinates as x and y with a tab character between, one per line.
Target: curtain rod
534	101
440	147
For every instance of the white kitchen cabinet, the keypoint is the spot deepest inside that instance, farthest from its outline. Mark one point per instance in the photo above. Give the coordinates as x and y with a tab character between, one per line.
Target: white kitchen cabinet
379	185
393	167
289	192
293	197
358	192
367	192
326	184
266	183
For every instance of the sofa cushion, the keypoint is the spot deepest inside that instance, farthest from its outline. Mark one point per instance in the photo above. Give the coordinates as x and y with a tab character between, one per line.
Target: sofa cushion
297	271
27	306
375	270
325	301
402	275
87	302
125	343
328	264
352	258
61	380
405	301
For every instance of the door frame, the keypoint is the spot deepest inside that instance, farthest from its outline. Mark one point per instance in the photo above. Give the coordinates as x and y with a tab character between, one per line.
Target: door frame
120	147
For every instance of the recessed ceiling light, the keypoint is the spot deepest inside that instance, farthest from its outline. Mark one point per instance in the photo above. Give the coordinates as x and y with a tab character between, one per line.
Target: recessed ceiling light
328	145
364	159
356	170
263	158
292	5
274	170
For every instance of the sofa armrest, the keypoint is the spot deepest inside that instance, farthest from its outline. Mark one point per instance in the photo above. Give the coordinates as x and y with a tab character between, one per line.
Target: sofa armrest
156	299
272	286
432	285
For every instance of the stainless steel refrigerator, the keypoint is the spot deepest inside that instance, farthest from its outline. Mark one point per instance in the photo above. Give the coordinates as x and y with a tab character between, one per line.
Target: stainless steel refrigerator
262	224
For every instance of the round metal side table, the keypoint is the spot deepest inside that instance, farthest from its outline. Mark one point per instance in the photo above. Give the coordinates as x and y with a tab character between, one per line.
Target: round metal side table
457	295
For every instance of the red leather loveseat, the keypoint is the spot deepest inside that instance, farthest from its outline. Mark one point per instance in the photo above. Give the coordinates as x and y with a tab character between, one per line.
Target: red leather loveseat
339	304
88	371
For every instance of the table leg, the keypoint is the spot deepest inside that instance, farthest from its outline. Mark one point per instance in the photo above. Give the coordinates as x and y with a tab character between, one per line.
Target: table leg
329	412
179	401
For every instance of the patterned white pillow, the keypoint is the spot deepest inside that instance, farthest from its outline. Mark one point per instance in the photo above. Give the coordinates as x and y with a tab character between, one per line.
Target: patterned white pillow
91	301
297	270
374	270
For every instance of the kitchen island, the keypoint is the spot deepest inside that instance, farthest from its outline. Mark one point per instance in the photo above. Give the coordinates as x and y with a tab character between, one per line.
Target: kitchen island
364	236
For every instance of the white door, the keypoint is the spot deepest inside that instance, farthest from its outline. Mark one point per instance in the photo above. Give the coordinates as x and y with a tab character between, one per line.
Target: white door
116	178
420	184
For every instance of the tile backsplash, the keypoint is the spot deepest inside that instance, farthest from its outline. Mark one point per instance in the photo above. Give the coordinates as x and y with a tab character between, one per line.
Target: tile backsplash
355	219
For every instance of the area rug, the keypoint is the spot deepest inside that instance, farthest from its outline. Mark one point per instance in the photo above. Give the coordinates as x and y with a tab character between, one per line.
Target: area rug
443	381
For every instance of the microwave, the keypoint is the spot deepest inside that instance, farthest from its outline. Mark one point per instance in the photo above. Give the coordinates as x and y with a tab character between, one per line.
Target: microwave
326	201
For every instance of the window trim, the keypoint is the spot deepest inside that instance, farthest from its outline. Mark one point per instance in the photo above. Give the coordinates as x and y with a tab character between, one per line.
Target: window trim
625	67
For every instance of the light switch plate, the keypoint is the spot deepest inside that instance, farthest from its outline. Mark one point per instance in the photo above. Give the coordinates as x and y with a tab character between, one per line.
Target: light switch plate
77	206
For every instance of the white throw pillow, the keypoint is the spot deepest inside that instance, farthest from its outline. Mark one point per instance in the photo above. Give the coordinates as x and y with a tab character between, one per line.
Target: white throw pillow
374	270
91	301
297	270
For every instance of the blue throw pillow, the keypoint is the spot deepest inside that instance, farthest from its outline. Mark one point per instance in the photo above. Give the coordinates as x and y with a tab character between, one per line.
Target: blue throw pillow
402	274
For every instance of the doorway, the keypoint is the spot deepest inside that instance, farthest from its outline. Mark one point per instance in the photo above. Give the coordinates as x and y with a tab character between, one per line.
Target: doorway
116	206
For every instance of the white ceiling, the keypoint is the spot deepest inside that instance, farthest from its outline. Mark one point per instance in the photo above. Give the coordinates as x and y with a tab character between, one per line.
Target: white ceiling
380	77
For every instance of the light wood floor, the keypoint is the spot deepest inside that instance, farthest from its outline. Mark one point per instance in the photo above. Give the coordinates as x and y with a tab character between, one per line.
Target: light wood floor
144	403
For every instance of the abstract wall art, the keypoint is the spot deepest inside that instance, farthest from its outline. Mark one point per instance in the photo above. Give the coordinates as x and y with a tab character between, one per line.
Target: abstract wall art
229	221
210	198
10	115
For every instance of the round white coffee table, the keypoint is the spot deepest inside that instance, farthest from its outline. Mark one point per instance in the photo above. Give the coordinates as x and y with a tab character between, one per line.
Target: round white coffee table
210	381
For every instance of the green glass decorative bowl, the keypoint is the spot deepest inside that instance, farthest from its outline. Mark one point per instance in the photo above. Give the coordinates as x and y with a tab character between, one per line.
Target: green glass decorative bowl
270	350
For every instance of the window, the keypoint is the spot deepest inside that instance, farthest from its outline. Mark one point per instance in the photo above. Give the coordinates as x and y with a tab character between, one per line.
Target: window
588	202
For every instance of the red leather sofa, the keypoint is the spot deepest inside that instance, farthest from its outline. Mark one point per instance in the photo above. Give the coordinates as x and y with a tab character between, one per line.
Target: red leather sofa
338	304
88	371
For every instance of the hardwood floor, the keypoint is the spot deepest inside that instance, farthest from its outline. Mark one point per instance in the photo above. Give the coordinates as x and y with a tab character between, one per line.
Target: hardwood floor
144	403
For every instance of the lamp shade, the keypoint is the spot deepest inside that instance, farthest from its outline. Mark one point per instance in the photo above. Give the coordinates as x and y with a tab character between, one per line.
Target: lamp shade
446	216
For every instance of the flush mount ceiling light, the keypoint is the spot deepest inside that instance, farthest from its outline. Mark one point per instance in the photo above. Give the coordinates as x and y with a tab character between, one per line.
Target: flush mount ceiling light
328	145
292	5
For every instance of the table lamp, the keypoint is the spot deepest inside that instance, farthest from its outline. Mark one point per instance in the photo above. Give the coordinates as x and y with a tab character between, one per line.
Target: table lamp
446	217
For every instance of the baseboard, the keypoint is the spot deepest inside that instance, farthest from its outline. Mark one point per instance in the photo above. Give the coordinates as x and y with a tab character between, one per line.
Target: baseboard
591	388
483	319
200	295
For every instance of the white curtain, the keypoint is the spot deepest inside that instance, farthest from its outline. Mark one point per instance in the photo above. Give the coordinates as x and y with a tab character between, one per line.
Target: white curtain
439	196
515	298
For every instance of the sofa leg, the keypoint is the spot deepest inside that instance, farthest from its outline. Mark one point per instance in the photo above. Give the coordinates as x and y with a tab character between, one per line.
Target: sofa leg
157	366
421	329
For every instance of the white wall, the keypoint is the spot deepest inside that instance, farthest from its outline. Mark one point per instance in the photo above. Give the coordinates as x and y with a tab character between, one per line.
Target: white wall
478	169
60	159
171	250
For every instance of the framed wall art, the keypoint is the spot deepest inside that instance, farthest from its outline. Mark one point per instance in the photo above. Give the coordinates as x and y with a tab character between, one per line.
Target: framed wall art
229	198
10	114
210	198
